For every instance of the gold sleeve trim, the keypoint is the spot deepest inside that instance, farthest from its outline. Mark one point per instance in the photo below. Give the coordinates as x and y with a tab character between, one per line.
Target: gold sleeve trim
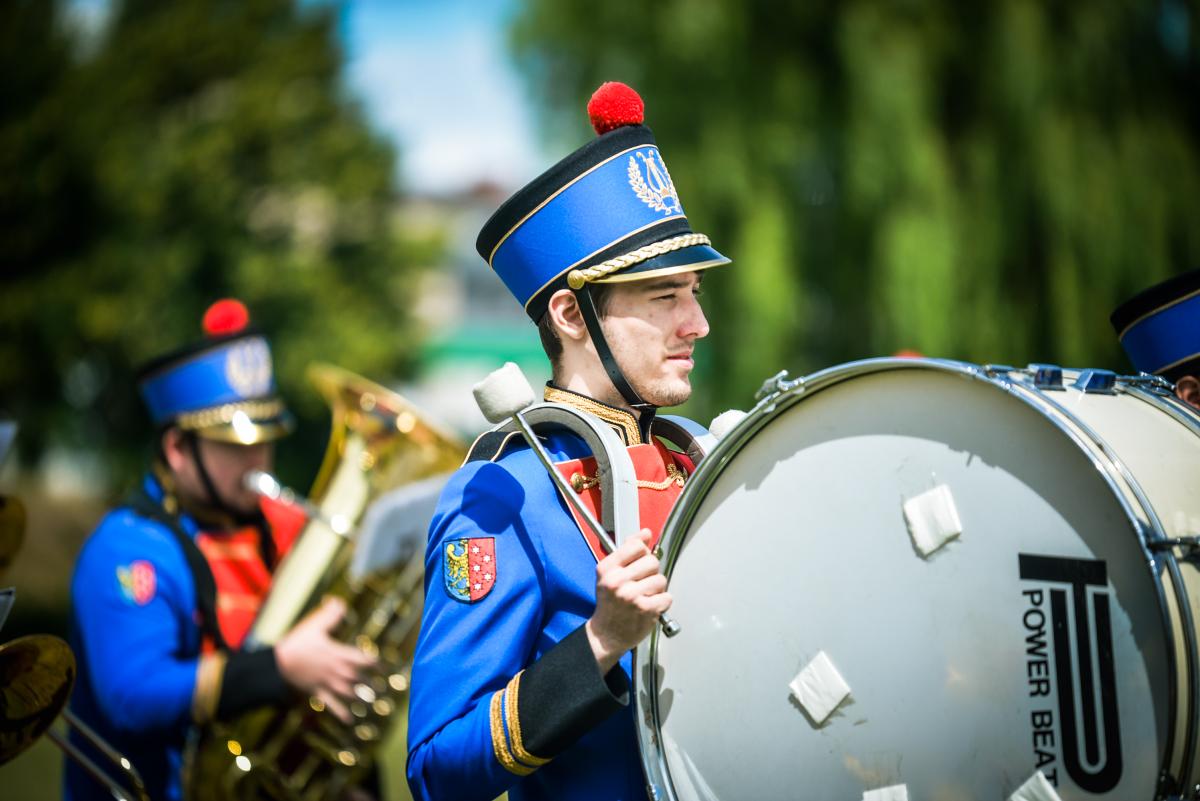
209	675
514	724
500	738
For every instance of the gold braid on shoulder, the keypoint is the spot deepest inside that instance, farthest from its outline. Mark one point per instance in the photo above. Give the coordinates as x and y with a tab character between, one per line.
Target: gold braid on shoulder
577	278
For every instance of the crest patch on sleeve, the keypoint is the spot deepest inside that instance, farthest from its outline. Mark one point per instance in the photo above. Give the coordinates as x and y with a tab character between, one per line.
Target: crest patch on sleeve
138	582
470	568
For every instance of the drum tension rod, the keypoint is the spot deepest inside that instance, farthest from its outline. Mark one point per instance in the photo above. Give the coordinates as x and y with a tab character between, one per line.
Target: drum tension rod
1189	544
776	385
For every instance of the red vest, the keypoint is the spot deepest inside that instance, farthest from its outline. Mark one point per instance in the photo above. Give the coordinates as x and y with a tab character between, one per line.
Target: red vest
243	579
660	472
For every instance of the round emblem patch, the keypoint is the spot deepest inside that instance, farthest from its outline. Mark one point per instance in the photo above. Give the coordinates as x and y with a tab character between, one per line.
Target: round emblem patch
138	582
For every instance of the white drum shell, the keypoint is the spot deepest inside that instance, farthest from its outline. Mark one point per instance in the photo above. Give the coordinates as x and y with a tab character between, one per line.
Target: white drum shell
791	540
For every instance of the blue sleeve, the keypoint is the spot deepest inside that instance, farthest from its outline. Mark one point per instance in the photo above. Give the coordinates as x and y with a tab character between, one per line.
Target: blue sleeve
133	598
468	651
483	712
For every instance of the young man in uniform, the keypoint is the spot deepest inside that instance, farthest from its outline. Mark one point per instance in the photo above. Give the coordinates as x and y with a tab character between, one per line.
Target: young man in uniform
168	585
1159	329
522	672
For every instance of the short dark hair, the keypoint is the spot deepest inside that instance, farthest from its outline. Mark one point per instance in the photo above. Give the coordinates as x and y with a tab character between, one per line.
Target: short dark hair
601	296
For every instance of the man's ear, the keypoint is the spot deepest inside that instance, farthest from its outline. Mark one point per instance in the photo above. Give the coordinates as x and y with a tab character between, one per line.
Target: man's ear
1187	389
566	317
174	448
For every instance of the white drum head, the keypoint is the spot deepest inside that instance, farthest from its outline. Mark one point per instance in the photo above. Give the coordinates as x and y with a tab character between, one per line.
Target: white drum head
798	544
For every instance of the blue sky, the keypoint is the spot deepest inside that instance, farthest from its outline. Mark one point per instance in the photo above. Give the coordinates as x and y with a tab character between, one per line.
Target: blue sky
437	79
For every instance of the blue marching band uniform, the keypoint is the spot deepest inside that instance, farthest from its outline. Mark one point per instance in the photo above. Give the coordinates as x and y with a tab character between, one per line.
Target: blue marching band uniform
506	693
152	658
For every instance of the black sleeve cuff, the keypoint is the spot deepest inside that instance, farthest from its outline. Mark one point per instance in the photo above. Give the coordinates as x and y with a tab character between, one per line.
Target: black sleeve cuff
251	679
562	696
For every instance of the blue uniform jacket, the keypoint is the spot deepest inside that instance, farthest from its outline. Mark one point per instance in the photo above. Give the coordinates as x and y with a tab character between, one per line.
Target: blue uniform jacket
142	680
137	647
506	695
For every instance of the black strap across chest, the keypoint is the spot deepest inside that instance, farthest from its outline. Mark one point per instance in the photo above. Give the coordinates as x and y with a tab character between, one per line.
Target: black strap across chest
206	586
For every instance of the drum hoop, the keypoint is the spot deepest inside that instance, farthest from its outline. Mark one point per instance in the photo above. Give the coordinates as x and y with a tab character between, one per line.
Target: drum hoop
1186	417
650	737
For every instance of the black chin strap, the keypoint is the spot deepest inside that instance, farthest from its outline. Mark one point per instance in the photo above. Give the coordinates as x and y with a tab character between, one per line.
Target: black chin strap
592	318
214	498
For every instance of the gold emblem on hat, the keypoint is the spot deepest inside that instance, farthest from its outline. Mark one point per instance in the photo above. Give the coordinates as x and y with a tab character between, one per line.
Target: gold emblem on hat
652	183
248	368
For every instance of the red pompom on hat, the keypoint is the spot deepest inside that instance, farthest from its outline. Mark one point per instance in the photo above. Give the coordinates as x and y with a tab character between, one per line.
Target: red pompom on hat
615	105
225	317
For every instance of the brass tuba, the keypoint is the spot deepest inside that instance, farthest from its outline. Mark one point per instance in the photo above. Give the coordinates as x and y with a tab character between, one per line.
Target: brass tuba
378	442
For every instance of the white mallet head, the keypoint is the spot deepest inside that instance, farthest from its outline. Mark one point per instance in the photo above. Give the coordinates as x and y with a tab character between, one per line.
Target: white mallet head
503	393
724	422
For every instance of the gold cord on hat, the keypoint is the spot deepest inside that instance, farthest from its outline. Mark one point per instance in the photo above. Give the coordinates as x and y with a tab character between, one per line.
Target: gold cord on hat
577	278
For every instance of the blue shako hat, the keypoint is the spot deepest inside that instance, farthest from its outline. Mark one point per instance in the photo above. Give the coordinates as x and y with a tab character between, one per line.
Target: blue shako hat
607	213
221	388
1159	328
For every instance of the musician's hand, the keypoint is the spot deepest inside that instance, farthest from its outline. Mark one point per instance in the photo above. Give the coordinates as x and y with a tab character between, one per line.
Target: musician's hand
630	595
315	663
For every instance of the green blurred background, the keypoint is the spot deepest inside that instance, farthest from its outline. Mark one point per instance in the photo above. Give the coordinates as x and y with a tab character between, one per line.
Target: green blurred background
982	181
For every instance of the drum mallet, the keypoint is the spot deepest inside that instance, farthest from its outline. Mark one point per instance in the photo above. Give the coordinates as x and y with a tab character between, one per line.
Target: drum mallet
502	396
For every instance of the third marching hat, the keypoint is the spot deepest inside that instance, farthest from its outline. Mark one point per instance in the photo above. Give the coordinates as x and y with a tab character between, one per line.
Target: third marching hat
1159	328
606	213
222	387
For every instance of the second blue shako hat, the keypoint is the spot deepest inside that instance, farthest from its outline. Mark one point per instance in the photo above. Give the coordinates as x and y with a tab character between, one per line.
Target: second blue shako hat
222	387
1159	328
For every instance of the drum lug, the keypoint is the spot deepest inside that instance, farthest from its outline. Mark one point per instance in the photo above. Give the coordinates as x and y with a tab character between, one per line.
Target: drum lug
1096	382
1046	376
777	384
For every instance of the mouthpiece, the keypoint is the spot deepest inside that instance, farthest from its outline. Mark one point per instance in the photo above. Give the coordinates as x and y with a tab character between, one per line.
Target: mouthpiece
263	484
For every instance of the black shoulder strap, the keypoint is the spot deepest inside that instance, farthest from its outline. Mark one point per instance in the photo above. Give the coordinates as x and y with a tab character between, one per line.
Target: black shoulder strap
206	585
490	445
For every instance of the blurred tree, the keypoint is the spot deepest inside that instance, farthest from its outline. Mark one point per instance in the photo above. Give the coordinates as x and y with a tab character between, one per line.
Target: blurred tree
982	181
203	148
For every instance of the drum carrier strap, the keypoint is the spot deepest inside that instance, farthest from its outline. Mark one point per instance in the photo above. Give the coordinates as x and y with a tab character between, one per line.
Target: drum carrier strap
206	586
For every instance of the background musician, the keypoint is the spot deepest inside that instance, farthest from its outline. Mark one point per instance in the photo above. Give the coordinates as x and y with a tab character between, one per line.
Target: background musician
521	675
1159	329
168	585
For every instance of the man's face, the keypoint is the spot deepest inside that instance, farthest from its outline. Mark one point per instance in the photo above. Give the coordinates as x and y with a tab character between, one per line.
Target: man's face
651	327
226	464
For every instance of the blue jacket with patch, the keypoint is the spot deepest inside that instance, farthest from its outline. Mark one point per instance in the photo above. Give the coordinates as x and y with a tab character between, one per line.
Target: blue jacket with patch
137	637
506	694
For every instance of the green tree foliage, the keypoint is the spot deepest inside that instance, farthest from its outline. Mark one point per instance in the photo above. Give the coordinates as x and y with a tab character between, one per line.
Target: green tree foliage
982	181
200	149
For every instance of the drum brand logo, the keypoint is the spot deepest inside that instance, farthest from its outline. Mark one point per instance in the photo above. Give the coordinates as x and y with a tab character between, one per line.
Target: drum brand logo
1078	664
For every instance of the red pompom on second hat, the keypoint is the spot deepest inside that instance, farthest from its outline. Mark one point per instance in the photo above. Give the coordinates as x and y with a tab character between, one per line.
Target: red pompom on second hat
227	316
615	105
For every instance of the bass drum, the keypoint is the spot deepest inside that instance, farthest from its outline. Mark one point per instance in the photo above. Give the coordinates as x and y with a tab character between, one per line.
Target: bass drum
1055	634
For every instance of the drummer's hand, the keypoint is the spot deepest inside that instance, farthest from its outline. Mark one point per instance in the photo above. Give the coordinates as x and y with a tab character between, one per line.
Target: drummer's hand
630	595
315	663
